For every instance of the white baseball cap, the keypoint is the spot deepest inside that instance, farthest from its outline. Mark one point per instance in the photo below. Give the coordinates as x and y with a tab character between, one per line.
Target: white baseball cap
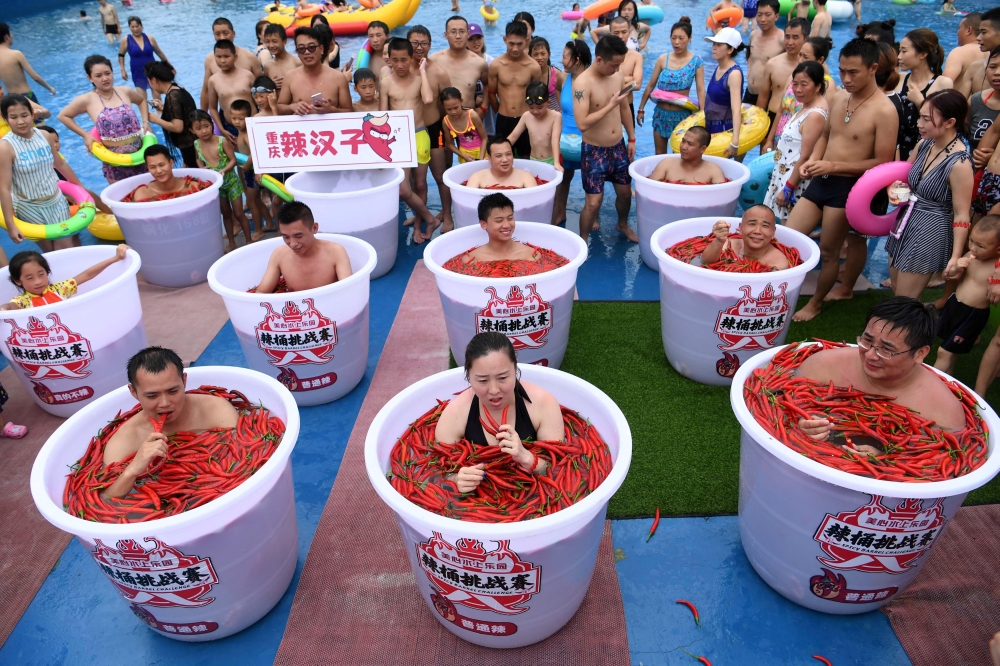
729	36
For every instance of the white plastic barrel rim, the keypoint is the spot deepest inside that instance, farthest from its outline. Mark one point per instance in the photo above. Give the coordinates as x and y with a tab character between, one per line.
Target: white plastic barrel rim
531	204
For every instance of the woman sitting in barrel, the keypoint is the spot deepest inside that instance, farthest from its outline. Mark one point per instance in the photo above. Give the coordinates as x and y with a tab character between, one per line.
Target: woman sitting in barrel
165	185
482	414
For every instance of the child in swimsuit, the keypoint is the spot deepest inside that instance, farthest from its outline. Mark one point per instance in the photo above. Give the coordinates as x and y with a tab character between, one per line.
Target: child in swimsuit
543	125
212	148
29	272
239	111
468	134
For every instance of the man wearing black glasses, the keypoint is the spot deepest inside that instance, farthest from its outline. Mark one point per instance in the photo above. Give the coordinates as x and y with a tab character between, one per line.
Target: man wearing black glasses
887	361
313	87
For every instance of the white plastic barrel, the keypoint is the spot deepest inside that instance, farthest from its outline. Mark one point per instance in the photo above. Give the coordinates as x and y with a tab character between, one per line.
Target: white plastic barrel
315	342
363	204
713	322
531	204
70	353
832	541
545	563
533	311
206	573
178	239
657	204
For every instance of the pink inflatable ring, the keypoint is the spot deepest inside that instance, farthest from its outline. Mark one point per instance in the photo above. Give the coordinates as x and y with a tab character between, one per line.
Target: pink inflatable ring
572	16
859	201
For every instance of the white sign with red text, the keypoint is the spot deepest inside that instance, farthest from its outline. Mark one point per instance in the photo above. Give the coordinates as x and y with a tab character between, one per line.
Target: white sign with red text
330	142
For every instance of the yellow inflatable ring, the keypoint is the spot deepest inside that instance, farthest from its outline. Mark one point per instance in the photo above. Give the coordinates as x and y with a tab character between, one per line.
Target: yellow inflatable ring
120	159
82	218
754	130
487	15
106	228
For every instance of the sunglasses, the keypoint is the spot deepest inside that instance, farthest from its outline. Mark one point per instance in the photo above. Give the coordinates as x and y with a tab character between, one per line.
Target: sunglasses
259	91
306	49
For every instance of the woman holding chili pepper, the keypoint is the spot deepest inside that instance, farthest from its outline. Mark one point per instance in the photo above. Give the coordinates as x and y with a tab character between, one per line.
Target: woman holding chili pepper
483	415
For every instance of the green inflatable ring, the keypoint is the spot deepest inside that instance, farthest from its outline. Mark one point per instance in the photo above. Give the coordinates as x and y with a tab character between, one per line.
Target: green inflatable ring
268	182
788	5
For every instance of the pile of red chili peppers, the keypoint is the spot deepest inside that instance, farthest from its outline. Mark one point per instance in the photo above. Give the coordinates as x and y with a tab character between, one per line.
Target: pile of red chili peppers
729	262
913	449
198	467
547	260
538	180
507	493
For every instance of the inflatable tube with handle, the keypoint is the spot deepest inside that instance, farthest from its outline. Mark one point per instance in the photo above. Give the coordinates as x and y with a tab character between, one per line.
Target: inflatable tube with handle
98	150
77	222
489	16
674	99
650	14
859	201
733	14
268	182
599	8
754	130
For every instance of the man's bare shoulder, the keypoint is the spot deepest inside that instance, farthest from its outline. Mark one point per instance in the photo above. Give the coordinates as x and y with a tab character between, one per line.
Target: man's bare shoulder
212	411
828	364
331	248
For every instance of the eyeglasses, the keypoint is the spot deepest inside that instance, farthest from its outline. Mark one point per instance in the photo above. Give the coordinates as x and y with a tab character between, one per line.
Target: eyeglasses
306	49
881	352
260	90
420	45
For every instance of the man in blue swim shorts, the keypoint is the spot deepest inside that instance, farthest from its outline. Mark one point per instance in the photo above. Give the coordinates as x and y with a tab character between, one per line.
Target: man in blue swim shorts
600	107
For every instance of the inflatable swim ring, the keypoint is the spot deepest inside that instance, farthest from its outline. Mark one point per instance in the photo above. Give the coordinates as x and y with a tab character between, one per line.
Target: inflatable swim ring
840	10
592	12
82	218
787	6
674	99
904	2
308	10
120	159
754	130
859	200
733	14
106	228
4	128
571	147
364	57
489	16
268	182
753	190
650	14
572	16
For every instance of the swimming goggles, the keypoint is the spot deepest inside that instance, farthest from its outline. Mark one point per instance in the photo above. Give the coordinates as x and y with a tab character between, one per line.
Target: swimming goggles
258	90
539	100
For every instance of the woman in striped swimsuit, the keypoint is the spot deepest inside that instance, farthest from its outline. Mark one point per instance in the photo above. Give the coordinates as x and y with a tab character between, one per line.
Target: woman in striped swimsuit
28	184
110	107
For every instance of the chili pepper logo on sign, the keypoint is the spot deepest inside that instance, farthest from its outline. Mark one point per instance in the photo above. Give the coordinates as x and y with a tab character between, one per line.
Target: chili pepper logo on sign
161	576
466	574
753	323
879	540
833	587
52	352
296	337
525	320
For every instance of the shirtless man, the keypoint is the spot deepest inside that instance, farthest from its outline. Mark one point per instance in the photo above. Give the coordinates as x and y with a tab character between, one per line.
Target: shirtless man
222	29
281	62
779	69
956	67
822	22
110	23
156	378
378	35
305	261
13	67
509	77
631	68
756	231
402	89
465	68
601	109
766	42
691	168
502	174
438	80
496	217
860	135
165	185
888	360
314	87
988	39
227	84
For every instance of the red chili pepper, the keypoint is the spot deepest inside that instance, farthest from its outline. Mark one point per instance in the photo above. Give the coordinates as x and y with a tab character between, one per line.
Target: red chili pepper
697	619
656	522
158	423
545	260
703	660
823	659
729	261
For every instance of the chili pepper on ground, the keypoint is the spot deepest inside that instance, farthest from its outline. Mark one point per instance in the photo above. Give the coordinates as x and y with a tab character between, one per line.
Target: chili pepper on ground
823	659
656	522
694	611
547	260
729	262
703	660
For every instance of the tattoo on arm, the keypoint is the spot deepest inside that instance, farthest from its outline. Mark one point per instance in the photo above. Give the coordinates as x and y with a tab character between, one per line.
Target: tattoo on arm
578	94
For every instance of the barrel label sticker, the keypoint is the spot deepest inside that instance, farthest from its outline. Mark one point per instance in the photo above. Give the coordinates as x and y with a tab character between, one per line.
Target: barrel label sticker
833	587
447	610
296	337
161	576
526	320
179	628
49	352
880	540
294	383
753	323
466	574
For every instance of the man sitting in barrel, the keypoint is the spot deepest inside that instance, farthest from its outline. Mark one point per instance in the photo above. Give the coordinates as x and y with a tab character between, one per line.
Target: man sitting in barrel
502	174
304	262
165	185
888	361
755	242
496	216
691	168
156	378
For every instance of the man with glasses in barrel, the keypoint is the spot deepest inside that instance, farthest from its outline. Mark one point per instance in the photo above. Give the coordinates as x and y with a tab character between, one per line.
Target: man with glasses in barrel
313	87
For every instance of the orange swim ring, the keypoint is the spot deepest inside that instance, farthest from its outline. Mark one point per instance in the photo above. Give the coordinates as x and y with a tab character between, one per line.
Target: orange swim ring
370	4
733	14
308	10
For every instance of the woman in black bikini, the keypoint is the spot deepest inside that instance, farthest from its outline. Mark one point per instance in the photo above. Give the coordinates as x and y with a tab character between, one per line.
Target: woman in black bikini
491	369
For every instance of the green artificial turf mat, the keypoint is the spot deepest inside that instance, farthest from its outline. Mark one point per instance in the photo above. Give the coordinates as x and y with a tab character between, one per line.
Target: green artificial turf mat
685	457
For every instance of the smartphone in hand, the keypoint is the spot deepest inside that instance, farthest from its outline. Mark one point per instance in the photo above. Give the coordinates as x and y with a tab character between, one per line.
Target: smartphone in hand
629	87
317	99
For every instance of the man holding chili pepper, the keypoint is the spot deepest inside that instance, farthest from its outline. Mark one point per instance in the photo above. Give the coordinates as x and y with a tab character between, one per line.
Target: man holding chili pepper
156	378
888	361
756	241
